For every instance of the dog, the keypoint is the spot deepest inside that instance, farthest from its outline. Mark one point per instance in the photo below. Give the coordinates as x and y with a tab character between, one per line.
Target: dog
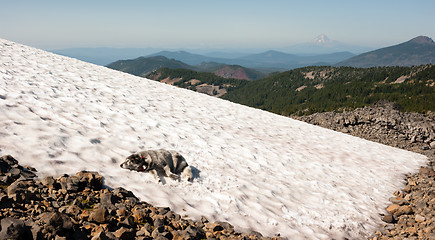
159	163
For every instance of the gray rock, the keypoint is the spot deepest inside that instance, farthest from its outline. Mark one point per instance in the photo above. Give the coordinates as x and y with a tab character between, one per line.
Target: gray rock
12	229
56	220
50	182
107	199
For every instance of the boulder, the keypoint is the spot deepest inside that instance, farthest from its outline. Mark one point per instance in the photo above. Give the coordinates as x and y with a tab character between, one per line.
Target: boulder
99	215
12	229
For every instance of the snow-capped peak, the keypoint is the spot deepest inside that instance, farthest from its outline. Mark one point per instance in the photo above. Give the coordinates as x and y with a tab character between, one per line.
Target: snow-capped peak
321	39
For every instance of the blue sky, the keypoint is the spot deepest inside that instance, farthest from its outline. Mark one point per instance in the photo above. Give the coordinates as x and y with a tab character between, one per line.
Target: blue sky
212	24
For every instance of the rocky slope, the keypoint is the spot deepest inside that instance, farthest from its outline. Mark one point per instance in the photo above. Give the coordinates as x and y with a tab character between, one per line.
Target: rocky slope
411	214
81	207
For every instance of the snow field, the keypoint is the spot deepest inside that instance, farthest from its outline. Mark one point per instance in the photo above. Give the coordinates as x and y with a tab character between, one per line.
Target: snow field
257	170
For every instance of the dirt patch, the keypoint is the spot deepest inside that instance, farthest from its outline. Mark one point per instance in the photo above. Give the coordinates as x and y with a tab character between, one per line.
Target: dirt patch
300	88
210	90
319	86
171	81
309	75
401	79
194	82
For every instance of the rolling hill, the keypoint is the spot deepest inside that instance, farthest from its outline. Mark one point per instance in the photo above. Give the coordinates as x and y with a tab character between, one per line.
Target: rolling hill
417	51
143	66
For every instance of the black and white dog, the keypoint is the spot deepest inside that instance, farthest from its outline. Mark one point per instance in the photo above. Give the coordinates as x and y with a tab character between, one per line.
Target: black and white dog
159	163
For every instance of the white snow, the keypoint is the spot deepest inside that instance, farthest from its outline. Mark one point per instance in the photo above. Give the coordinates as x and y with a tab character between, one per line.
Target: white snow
259	171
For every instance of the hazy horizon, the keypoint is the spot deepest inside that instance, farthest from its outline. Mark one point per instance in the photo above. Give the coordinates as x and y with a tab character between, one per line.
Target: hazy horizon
194	24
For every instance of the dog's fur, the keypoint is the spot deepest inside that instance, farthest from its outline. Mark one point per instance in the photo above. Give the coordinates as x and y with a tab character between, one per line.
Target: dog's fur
159	162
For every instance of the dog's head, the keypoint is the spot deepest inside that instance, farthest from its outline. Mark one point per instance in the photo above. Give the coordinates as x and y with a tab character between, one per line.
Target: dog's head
137	162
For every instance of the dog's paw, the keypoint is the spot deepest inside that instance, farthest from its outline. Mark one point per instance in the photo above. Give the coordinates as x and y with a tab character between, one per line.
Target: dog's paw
174	177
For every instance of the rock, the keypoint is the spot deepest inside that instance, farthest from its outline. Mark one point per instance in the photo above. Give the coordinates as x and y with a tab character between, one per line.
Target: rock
125	233
100	236
418	218
56	220
393	208
146	230
128	222
69	184
107	199
122	213
432	145
27	174
420	204
18	191
99	215
50	182
190	232
398	200
122	193
159	221
388	218
6	163
158	232
403	210
92	180
73	210
12	228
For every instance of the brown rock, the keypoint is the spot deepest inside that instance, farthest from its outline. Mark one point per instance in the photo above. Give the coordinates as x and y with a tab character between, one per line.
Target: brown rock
388	218
418	218
398	200
411	230
121	212
403	210
99	215
141	216
100	236
49	182
393	208
125	233
92	180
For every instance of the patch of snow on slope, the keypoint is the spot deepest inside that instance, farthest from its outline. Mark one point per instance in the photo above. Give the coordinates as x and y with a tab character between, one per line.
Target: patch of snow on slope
257	170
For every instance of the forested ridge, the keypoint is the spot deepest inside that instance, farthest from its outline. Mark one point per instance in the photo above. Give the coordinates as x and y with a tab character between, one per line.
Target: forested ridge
318	89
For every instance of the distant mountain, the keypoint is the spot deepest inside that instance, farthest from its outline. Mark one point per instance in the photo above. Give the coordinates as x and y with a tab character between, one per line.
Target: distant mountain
289	61
144	65
417	51
323	45
187	57
103	56
270	61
